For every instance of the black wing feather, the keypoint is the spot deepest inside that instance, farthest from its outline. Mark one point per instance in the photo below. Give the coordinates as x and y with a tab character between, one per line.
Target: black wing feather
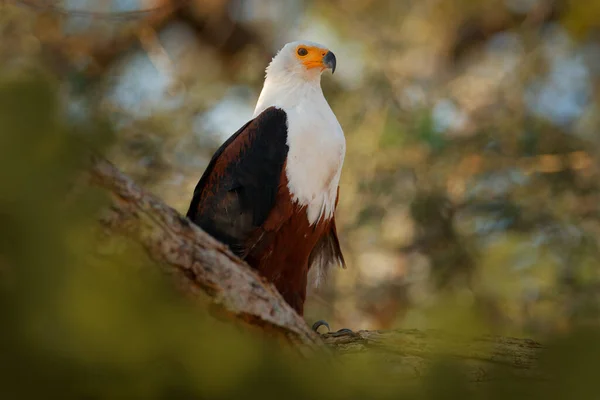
244	194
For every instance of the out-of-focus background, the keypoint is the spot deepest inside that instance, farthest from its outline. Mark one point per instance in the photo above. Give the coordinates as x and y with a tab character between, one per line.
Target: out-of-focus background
470	191
470	184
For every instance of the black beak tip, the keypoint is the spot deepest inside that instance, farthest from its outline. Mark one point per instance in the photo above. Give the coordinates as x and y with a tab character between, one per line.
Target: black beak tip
329	61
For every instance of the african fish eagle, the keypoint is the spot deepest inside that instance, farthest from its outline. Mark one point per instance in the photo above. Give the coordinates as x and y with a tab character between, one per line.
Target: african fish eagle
270	191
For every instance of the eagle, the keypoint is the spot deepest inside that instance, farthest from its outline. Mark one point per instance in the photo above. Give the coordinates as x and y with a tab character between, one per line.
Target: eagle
270	191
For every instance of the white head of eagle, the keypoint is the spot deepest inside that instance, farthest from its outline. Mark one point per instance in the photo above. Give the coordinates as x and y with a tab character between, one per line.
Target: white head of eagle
315	138
270	191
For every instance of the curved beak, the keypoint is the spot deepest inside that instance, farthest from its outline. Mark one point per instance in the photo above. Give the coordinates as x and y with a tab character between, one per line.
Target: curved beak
329	61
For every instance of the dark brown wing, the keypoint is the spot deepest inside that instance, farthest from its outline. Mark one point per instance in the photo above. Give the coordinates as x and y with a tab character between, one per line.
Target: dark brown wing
239	187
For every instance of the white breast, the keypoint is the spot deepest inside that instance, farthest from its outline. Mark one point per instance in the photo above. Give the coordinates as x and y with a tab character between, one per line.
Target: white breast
315	139
316	153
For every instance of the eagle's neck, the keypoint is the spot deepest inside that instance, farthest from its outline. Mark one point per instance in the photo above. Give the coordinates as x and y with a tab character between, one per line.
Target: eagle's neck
315	140
288	92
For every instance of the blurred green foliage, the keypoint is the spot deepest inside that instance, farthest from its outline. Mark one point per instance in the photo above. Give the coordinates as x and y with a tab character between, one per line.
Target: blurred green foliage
492	228
80	320
457	197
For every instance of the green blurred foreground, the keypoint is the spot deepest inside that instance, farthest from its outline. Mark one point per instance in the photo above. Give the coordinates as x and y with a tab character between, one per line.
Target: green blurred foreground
81	320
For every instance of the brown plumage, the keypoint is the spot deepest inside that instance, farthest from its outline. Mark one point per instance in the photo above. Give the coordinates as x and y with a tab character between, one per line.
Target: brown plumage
243	199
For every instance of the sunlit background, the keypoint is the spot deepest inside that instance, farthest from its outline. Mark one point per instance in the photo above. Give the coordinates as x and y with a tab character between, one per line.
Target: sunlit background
470	180
470	191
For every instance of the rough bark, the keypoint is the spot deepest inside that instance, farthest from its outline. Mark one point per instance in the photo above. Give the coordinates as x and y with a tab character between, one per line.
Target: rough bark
204	267
199	263
409	353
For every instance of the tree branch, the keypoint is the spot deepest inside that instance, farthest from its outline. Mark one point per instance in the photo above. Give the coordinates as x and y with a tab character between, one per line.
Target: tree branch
411	352
203	266
199	263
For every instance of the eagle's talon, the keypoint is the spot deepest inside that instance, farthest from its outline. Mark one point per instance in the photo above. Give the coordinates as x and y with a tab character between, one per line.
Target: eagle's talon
343	332
319	324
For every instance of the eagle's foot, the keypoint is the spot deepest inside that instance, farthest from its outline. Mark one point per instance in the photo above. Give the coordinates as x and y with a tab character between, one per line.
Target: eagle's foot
341	332
319	324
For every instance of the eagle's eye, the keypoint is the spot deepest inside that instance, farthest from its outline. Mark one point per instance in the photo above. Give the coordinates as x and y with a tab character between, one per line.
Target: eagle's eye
302	51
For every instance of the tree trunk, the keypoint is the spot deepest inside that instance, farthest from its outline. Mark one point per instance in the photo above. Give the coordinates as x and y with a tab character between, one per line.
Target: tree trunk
201	266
